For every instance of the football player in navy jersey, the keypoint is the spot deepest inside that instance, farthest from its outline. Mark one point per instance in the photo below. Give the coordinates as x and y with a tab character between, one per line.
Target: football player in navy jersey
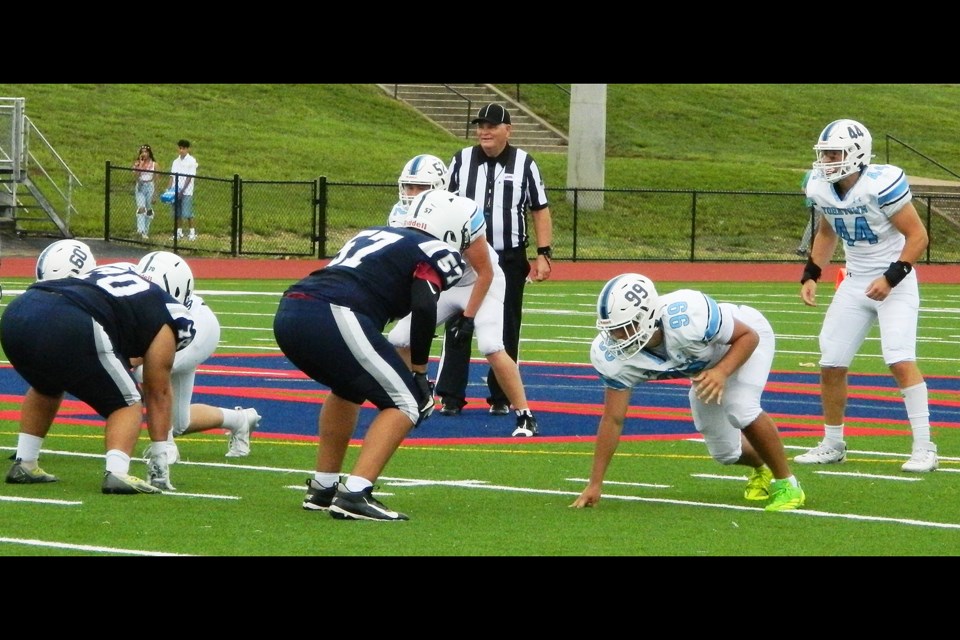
77	335
330	325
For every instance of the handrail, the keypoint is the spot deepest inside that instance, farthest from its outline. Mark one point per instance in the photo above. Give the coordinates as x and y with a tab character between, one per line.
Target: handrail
562	88
72	181
925	157
466	134
396	95
63	165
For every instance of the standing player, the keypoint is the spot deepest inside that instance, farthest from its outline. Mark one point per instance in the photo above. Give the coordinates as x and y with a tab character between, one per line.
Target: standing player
77	335
867	207
330	325
725	350
173	273
476	300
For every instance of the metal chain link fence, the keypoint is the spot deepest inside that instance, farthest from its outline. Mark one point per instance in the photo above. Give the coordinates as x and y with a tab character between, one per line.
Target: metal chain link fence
314	218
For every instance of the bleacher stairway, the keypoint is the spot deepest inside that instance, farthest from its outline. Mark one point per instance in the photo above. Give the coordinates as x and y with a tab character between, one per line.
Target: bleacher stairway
453	106
36	185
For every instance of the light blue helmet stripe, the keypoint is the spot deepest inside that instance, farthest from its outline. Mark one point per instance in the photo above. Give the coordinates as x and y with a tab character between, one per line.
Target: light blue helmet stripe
828	130
415	167
602	310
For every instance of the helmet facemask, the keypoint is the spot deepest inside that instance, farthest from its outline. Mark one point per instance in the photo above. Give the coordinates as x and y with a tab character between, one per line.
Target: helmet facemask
626	340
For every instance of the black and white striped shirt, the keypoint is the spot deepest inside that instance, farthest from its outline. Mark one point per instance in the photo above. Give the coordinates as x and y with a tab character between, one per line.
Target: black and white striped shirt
504	187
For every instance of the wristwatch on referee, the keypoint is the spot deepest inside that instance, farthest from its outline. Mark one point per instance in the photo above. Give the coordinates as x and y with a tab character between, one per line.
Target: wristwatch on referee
546	252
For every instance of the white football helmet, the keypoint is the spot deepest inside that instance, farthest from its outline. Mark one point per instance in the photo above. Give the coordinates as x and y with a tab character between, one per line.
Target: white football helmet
628	305
446	216
64	258
849	137
425	170
170	271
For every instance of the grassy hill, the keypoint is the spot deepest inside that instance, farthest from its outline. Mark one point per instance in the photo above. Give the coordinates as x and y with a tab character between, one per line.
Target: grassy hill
752	137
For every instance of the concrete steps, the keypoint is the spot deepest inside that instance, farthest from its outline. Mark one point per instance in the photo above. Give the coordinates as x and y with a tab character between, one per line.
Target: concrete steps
452	107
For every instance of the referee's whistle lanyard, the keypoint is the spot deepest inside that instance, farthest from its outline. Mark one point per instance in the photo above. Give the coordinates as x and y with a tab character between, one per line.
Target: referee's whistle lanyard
494	171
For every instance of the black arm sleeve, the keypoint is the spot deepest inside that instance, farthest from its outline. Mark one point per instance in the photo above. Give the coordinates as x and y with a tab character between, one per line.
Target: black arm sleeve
423	320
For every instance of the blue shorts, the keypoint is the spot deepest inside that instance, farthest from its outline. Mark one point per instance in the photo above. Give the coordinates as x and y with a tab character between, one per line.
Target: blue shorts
183	208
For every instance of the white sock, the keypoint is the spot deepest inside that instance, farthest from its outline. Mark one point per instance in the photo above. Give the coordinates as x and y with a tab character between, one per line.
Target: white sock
28	450
833	434
326	480
118	462
233	419
918	412
156	448
356	483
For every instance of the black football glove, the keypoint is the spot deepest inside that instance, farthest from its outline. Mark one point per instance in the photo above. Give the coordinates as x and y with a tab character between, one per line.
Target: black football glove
461	331
425	401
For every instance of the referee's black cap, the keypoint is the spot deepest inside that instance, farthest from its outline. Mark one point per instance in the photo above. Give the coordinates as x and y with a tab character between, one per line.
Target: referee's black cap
492	113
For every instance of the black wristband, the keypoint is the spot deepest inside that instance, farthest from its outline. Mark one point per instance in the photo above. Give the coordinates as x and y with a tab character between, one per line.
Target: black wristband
811	271
897	271
547	252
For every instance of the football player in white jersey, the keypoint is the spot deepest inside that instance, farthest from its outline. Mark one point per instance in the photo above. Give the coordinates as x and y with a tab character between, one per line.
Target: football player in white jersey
172	272
868	208
725	350
476	300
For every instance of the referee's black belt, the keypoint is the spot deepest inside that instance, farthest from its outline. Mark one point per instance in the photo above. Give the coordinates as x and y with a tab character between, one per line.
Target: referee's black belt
513	251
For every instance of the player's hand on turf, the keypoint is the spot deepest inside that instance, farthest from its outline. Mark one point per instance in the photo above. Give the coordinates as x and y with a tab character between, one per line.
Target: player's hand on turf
590	497
461	331
426	401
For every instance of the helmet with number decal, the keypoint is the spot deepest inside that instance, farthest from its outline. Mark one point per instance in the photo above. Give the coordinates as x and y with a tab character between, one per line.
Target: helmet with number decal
627	314
854	143
446	216
64	258
426	170
170	271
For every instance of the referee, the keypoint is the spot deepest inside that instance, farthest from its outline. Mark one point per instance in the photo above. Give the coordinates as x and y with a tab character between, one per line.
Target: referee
505	182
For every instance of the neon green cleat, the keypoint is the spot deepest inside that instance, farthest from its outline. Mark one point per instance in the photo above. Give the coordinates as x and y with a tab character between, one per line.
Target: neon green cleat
785	496
758	484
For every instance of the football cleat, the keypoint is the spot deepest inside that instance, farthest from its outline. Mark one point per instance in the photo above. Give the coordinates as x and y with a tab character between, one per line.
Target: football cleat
361	505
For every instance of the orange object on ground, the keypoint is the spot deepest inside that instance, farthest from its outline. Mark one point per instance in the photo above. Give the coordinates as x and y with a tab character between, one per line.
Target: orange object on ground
841	274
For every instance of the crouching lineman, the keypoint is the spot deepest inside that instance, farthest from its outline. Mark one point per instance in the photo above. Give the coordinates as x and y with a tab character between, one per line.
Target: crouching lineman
330	325
725	350
77	335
